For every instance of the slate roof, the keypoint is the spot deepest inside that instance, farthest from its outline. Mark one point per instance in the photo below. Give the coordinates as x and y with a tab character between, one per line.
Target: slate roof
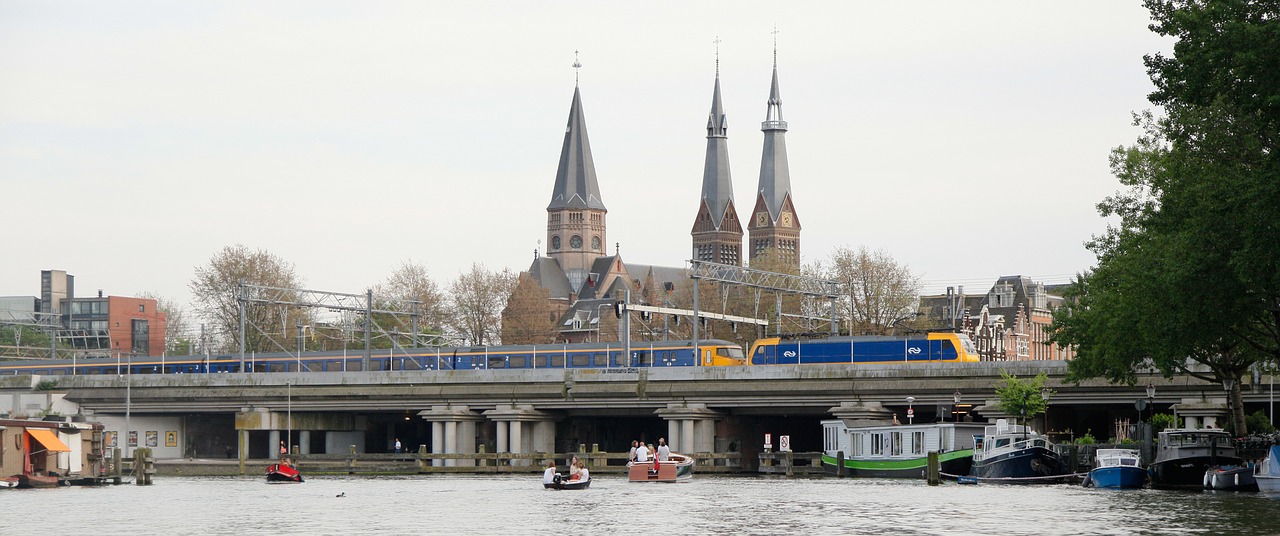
576	185
717	184
775	174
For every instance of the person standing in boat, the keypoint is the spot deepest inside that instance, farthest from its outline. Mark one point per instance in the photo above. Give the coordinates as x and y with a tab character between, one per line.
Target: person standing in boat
642	454
549	476
664	452
283	450
631	458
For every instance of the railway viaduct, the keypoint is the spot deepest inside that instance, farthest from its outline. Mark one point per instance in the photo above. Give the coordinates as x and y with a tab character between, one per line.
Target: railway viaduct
722	409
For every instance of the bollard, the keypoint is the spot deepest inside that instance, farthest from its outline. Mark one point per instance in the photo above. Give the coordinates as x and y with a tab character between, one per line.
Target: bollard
935	469
790	465
594	461
840	470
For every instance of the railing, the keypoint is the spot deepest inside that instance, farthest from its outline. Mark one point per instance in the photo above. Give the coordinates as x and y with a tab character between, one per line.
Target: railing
492	462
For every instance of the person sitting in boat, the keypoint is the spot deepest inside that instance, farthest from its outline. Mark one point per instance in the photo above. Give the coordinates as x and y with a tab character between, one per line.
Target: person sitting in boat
549	476
575	467
642	454
583	474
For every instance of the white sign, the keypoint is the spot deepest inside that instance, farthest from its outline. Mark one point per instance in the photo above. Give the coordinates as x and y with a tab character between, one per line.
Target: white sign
911	412
784	443
768	441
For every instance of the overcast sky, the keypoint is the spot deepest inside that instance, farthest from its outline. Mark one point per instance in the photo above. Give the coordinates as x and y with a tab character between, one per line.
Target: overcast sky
969	140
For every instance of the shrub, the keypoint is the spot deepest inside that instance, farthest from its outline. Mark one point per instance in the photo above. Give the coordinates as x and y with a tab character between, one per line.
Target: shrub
1259	423
1087	439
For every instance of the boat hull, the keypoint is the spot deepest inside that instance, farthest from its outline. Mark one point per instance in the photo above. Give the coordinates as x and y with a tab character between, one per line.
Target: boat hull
1230	478
1033	465
952	464
677	469
568	485
1118	477
37	481
1184	473
1267	483
283	474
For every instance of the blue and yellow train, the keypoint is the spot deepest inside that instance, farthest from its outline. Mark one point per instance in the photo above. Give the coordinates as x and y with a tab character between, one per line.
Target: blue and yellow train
936	347
930	348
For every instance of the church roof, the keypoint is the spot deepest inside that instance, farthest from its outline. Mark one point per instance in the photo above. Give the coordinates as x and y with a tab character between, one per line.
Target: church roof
576	185
717	185
547	272
775	174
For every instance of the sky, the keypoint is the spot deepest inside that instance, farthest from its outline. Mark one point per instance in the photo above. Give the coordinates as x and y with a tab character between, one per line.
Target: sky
967	140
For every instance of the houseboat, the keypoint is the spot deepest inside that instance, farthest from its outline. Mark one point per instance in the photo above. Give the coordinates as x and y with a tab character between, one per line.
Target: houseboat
1184	456
897	451
1015	454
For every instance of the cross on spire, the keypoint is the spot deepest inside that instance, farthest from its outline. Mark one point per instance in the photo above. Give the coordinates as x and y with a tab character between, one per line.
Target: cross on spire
577	66
775	45
717	42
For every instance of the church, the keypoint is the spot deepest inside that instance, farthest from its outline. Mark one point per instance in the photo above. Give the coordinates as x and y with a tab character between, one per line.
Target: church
583	281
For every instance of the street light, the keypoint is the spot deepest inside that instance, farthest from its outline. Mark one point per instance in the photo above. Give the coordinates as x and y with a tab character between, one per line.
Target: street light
911	412
1227	384
955	406
1151	400
1044	395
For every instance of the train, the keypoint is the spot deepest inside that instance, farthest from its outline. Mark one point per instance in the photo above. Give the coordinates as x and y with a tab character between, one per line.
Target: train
676	353
933	347
939	347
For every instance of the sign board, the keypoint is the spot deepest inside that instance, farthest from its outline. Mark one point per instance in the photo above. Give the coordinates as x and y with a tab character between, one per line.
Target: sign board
768	441
784	443
911	412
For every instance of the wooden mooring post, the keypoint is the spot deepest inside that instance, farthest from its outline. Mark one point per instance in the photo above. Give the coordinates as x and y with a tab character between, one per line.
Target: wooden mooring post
934	474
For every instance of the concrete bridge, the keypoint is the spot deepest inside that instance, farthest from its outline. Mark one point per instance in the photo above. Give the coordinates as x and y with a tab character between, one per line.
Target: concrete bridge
723	409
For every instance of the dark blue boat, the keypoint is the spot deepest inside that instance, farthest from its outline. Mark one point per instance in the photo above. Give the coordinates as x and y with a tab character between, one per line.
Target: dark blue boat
1014	454
1117	468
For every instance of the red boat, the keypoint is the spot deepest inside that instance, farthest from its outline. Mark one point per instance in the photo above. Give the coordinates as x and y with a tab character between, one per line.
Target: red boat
279	473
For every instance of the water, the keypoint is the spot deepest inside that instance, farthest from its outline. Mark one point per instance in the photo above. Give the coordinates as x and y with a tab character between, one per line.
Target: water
707	505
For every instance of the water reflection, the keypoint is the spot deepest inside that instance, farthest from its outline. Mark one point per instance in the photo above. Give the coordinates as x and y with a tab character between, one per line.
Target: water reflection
708	505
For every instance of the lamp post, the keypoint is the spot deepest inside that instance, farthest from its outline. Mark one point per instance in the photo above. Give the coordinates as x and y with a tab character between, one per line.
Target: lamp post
911	412
955	399
1151	400
1044	395
1227	384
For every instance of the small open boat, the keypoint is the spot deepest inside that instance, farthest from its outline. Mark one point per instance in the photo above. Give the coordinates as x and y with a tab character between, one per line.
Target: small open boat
36	481
1230	478
679	468
279	473
566	484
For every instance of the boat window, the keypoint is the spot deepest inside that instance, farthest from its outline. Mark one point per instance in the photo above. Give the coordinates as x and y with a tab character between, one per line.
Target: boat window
1001	442
878	442
859	449
897	443
917	442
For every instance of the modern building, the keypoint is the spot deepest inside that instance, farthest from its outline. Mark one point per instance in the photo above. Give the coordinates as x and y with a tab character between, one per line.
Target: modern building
95	326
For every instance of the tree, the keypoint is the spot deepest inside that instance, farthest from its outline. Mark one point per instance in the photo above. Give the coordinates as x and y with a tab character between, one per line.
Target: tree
1190	275
410	283
876	293
1024	398
178	338
216	286
528	317
478	297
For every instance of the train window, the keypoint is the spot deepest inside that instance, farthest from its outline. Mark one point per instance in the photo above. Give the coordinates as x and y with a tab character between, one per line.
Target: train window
497	362
581	360
644	358
378	364
620	361
354	365
601	360
275	367
557	361
731	351
518	361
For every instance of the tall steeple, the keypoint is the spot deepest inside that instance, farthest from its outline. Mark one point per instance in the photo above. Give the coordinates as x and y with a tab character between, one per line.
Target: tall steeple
773	223
717	233
576	215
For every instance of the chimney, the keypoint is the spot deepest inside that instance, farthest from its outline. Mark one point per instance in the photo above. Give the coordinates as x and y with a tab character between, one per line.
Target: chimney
99	293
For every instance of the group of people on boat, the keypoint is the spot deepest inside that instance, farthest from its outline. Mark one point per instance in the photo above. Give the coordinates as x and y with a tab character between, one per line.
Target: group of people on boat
578	472
642	453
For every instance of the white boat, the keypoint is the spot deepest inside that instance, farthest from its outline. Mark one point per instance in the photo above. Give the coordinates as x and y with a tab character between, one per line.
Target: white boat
897	451
1267	472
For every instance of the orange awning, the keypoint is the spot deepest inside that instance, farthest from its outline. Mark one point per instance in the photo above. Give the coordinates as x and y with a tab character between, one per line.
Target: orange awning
49	440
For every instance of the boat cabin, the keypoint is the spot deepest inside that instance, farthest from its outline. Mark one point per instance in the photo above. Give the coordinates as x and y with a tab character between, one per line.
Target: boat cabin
1183	443
1004	437
890	442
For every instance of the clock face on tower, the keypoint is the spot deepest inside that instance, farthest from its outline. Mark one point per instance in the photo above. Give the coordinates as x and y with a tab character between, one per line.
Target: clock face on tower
575	242
786	219
762	218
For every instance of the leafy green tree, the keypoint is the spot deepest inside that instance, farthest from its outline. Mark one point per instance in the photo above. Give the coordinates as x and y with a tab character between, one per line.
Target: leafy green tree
1188	280
1024	398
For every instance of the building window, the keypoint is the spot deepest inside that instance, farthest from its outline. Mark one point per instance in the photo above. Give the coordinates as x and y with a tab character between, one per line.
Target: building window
142	308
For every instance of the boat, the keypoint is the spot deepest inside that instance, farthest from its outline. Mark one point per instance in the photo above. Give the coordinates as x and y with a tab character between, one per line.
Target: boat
1267	472
1015	454
282	473
1184	455
1117	468
27	480
566	484
897	451
9	482
1230	478
677	468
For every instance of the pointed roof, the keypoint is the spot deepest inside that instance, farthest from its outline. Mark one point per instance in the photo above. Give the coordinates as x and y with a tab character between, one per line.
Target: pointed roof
775	174
576	185
547	272
717	184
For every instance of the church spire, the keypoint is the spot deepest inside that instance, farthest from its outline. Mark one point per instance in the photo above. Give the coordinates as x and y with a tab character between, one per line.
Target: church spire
576	185
576	214
773	222
717	233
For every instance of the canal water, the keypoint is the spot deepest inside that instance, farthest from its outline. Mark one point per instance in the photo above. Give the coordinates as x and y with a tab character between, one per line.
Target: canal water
707	505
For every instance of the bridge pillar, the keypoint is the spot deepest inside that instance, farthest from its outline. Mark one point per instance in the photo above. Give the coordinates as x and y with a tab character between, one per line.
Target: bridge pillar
1202	412
690	427
857	413
522	429
453	431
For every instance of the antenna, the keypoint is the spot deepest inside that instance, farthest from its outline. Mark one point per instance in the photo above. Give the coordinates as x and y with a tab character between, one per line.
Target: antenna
577	66
717	42
775	46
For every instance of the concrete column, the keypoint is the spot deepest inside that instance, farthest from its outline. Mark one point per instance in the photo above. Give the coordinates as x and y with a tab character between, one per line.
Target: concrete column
544	437
437	441
686	435
673	434
517	440
465	441
704	432
304	441
691	426
450	441
528	430
503	445
273	439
